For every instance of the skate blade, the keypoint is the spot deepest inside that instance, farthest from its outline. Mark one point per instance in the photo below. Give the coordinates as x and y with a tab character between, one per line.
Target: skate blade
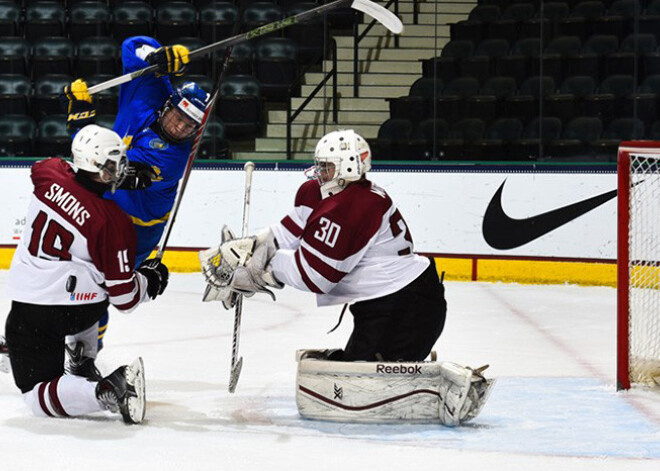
136	405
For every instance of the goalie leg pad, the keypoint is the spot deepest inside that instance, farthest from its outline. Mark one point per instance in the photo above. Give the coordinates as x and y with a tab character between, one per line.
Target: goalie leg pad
420	392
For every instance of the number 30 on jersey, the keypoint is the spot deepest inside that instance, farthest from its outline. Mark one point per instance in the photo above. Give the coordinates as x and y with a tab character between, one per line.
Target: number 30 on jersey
328	232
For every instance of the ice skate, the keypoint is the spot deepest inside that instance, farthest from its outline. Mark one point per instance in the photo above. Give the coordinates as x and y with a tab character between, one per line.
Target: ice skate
80	365
123	391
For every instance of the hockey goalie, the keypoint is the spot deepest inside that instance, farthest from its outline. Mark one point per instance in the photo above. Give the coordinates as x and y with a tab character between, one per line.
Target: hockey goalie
346	241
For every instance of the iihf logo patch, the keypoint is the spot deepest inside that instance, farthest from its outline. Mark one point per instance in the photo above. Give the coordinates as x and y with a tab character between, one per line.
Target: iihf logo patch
83	296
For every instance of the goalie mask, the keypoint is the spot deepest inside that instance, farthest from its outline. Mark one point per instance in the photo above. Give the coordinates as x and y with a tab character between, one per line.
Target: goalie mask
100	151
341	157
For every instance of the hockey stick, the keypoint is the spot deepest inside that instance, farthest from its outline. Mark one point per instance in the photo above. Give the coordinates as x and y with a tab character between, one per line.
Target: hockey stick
193	151
385	17
237	364
186	175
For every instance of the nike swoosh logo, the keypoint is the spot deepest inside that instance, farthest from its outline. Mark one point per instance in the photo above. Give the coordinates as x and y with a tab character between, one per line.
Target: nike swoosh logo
503	232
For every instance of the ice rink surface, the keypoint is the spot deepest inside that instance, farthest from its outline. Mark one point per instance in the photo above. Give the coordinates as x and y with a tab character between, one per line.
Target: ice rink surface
554	407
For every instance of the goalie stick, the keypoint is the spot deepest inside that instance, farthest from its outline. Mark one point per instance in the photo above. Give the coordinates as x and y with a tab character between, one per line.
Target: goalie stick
385	17
237	363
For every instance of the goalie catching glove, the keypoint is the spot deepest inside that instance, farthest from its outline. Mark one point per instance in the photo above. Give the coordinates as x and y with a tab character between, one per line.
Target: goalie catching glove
170	59
208	258
77	103
239	266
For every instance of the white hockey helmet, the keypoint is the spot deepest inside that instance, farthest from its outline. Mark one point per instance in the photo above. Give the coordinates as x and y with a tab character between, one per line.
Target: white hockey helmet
341	157
100	150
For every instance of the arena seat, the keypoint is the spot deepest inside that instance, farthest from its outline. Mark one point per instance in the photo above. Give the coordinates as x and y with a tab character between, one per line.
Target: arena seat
132	18
53	139
239	106
89	18
10	18
44	19
16	135
14	55
216	20
276	67
175	19
46	95
15	92
97	55
52	55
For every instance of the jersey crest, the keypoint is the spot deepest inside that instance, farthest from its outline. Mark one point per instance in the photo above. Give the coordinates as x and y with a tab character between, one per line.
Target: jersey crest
158	144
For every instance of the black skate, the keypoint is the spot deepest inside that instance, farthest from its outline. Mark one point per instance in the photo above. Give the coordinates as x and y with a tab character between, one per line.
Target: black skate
80	365
123	391
4	355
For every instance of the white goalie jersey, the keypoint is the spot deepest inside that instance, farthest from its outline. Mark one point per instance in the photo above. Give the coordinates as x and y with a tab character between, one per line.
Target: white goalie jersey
350	247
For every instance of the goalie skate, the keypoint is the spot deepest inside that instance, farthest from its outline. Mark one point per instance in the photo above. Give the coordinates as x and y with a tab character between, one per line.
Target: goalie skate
124	392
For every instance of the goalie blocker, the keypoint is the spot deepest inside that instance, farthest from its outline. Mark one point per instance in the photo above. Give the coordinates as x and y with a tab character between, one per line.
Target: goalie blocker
383	392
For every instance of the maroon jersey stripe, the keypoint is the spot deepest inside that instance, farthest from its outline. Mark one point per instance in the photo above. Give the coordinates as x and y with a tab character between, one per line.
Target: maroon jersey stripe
124	288
325	270
308	282
129	305
291	226
54	398
42	399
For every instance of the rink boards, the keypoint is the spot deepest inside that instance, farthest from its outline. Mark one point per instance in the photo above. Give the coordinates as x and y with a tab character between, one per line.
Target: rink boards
525	223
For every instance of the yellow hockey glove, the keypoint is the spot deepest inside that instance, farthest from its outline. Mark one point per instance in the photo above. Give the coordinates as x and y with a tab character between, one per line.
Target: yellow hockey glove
170	59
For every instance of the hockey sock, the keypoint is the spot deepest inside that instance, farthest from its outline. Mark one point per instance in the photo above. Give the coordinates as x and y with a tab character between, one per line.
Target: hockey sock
64	396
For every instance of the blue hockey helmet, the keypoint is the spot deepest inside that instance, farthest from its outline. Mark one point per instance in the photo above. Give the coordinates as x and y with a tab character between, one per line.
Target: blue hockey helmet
192	100
182	115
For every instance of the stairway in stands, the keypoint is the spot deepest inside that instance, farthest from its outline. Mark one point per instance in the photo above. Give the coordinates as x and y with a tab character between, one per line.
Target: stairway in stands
386	72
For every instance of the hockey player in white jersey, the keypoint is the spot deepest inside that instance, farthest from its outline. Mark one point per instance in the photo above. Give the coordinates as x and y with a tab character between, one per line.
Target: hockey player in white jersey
76	256
346	241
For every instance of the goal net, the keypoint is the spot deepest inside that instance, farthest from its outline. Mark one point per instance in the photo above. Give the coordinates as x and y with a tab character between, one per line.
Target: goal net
638	264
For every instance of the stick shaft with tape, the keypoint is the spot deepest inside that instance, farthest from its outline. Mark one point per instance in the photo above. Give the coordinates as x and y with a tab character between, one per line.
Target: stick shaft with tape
236	362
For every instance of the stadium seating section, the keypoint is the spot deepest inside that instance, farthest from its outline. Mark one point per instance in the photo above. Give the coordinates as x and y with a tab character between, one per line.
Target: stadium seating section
46	44
600	84
517	80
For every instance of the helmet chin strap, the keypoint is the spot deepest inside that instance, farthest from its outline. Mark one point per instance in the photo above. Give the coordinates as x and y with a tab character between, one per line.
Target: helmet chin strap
332	187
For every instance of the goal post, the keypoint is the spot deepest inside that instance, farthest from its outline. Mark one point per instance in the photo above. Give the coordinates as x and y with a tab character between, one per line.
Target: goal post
638	264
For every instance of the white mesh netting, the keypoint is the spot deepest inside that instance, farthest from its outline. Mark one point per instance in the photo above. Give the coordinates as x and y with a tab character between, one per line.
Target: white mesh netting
644	268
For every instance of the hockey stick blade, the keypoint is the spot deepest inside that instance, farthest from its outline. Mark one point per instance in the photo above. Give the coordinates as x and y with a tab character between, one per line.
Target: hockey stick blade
380	14
235	374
